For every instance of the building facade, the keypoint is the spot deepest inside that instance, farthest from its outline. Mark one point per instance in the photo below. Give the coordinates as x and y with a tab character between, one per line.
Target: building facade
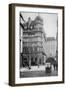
51	46
32	39
57	51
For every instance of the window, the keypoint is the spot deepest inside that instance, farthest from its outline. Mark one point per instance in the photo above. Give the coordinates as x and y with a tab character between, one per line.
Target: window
25	49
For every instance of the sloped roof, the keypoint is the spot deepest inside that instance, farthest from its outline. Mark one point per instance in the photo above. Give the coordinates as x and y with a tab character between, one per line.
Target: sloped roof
26	24
33	22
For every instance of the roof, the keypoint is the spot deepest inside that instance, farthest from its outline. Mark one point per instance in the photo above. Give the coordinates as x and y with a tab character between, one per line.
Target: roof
25	25
39	18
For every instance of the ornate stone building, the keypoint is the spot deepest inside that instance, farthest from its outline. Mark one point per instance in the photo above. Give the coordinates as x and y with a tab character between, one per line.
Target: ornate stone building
32	39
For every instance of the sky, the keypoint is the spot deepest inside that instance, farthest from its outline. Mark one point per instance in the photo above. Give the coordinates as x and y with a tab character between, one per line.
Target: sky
49	21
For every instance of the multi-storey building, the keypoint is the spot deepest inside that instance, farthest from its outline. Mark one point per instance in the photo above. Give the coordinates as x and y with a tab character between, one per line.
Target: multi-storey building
51	46
32	39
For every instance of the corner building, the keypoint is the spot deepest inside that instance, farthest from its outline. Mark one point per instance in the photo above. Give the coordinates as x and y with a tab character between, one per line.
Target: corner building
33	41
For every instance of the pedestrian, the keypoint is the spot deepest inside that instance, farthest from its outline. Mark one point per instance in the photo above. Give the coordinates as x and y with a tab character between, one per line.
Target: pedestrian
54	66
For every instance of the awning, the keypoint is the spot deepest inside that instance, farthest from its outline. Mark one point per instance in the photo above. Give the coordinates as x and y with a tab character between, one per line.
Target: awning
52	61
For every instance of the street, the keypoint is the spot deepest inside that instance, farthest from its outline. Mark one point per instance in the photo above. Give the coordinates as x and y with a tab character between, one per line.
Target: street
37	74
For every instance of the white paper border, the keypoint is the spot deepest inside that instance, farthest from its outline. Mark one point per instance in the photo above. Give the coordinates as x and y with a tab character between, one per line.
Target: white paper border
37	79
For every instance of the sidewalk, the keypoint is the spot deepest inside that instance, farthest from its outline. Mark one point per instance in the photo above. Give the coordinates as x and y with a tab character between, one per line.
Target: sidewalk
33	68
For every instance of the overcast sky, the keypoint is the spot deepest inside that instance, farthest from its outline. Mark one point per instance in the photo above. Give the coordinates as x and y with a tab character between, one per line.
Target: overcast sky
49	22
